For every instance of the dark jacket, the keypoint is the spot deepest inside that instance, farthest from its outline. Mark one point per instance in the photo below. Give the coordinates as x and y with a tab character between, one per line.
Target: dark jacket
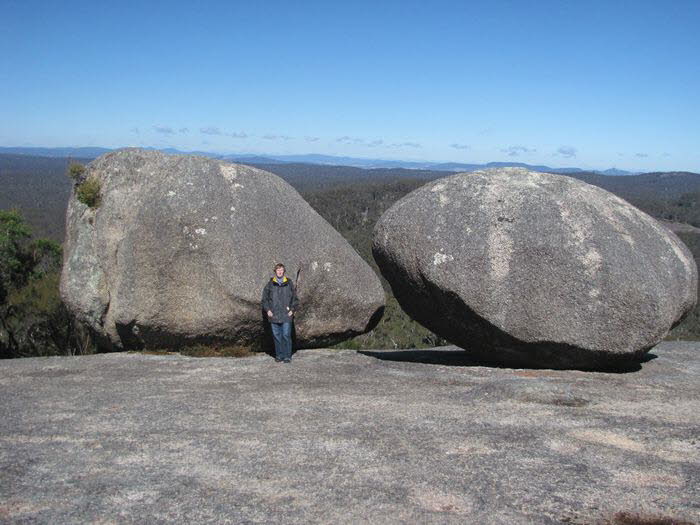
280	297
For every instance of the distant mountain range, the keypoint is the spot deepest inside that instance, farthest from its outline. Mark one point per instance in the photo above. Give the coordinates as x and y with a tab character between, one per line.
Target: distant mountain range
38	185
92	152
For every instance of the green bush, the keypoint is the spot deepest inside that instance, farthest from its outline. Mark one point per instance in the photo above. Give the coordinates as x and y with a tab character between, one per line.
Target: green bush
75	171
33	319
46	256
396	330
89	192
38	296
35	322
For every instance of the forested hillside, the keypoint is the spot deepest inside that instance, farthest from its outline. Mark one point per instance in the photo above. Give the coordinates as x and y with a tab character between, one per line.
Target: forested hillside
39	188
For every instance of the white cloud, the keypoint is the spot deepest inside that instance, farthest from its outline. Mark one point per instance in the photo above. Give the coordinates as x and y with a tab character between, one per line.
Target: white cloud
211	130
566	151
514	151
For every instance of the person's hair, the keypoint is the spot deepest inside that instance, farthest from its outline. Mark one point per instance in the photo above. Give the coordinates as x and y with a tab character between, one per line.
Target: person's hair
279	265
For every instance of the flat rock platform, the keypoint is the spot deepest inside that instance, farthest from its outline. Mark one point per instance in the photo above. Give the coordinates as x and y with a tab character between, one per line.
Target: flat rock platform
344	436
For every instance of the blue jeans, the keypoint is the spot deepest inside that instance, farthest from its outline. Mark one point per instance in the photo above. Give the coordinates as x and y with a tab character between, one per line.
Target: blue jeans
282	334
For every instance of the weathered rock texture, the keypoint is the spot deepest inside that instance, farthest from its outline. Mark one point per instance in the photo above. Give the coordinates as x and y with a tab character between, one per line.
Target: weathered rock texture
180	248
342	437
533	268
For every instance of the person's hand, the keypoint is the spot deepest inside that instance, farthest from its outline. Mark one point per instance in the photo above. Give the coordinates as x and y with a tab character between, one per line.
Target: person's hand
269	313
290	313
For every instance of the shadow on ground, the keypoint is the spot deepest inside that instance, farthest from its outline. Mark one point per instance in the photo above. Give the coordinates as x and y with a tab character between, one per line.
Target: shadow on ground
458	357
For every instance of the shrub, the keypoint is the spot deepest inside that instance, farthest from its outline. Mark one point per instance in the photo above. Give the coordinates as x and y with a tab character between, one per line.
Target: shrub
33	319
35	322
15	262
75	171
46	256
39	295
396	330
89	192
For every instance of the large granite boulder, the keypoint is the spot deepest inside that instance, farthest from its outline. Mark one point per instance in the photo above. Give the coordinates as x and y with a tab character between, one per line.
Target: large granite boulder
180	247
534	269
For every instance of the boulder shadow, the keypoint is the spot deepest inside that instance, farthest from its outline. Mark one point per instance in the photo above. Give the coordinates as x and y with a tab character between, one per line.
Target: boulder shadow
459	357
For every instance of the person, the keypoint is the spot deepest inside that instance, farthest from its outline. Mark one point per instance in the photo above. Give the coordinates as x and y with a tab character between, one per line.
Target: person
280	302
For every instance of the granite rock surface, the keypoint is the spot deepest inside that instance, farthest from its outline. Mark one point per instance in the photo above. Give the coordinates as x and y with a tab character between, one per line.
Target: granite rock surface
180	248
534	269
411	436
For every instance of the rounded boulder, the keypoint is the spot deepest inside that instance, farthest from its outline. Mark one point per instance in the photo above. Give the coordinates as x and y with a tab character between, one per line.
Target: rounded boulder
179	248
534	269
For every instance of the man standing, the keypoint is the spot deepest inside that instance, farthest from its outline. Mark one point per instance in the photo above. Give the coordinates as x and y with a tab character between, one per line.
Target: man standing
280	301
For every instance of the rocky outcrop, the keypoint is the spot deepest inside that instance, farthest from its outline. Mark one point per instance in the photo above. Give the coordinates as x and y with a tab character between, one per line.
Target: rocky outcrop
534	269
180	247
342	437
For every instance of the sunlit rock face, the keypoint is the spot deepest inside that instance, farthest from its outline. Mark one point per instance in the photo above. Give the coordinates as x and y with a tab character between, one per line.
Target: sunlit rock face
180	248
534	269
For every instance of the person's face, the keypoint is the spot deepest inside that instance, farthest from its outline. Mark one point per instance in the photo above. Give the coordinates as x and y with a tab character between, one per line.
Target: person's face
279	272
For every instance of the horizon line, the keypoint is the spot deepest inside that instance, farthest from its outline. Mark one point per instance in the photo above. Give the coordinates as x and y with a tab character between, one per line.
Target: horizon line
340	156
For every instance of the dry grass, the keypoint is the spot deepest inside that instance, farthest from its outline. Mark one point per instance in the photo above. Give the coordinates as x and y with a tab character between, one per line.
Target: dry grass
217	351
200	350
152	352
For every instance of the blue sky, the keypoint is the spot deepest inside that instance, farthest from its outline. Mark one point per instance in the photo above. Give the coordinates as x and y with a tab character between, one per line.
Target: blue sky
587	84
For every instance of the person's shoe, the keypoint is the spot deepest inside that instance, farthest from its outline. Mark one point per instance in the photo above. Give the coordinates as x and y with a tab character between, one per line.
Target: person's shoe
277	360
287	361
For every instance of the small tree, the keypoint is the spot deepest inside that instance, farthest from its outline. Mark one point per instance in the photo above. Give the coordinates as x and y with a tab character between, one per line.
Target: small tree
76	171
46	257
14	260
